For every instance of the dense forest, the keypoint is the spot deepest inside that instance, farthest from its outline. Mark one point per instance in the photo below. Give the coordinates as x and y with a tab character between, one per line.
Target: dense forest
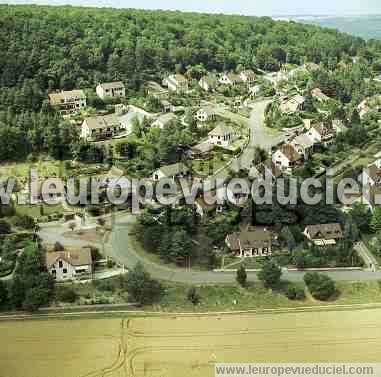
50	48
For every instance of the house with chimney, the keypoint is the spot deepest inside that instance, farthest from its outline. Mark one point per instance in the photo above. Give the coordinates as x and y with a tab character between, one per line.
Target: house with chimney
324	234
221	135
69	264
251	242
286	157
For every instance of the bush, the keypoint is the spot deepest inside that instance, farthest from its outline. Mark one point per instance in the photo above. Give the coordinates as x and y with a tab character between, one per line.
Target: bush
270	274
105	285
141	287
25	221
5	227
321	286
295	293
193	296
66	294
242	276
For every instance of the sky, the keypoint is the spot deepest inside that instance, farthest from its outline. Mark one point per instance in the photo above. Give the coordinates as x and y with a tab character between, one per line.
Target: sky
246	7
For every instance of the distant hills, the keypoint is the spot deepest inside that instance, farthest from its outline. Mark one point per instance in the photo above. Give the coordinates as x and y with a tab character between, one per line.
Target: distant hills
363	26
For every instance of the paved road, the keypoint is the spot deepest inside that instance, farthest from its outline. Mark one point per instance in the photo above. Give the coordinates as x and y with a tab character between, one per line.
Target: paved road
120	248
258	135
369	259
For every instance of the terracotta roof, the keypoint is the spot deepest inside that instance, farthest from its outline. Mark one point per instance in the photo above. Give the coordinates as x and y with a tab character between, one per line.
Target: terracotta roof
324	132
269	165
289	151
75	258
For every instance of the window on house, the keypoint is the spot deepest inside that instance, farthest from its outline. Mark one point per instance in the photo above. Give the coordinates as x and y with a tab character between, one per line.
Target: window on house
64	270
60	264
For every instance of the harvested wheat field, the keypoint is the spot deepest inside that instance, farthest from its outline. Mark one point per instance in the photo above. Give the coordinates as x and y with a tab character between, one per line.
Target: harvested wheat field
174	346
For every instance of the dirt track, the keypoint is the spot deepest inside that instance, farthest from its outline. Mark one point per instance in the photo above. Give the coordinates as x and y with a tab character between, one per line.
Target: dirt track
174	346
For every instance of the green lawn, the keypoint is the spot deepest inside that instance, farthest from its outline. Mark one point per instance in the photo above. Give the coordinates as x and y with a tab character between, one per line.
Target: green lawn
256	297
39	210
45	169
217	161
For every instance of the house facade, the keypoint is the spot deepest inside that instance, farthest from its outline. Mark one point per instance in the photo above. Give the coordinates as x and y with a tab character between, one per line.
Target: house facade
176	83
292	105
206	114
230	79
247	76
303	145
100	127
251	242
69	265
321	134
222	135
324	234
286	157
111	90
68	102
209	82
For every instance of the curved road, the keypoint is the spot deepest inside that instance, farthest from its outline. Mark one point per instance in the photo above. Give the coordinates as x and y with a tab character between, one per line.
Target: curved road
119	247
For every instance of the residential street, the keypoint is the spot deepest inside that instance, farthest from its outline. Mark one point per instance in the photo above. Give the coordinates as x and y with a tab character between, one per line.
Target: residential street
120	248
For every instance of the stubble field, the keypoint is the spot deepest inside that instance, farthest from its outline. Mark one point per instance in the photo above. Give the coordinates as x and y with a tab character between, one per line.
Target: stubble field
178	345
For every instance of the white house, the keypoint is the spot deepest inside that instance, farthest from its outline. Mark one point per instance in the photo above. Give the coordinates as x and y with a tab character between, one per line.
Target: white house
286	157
292	105
111	90
247	76
69	265
176	83
100	127
372	175
205	114
164	120
230	79
303	145
251	242
320	134
68	102
173	171
222	135
319	95
209	82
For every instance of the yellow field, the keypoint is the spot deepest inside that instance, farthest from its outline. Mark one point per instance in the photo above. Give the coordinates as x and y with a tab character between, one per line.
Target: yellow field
176	346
